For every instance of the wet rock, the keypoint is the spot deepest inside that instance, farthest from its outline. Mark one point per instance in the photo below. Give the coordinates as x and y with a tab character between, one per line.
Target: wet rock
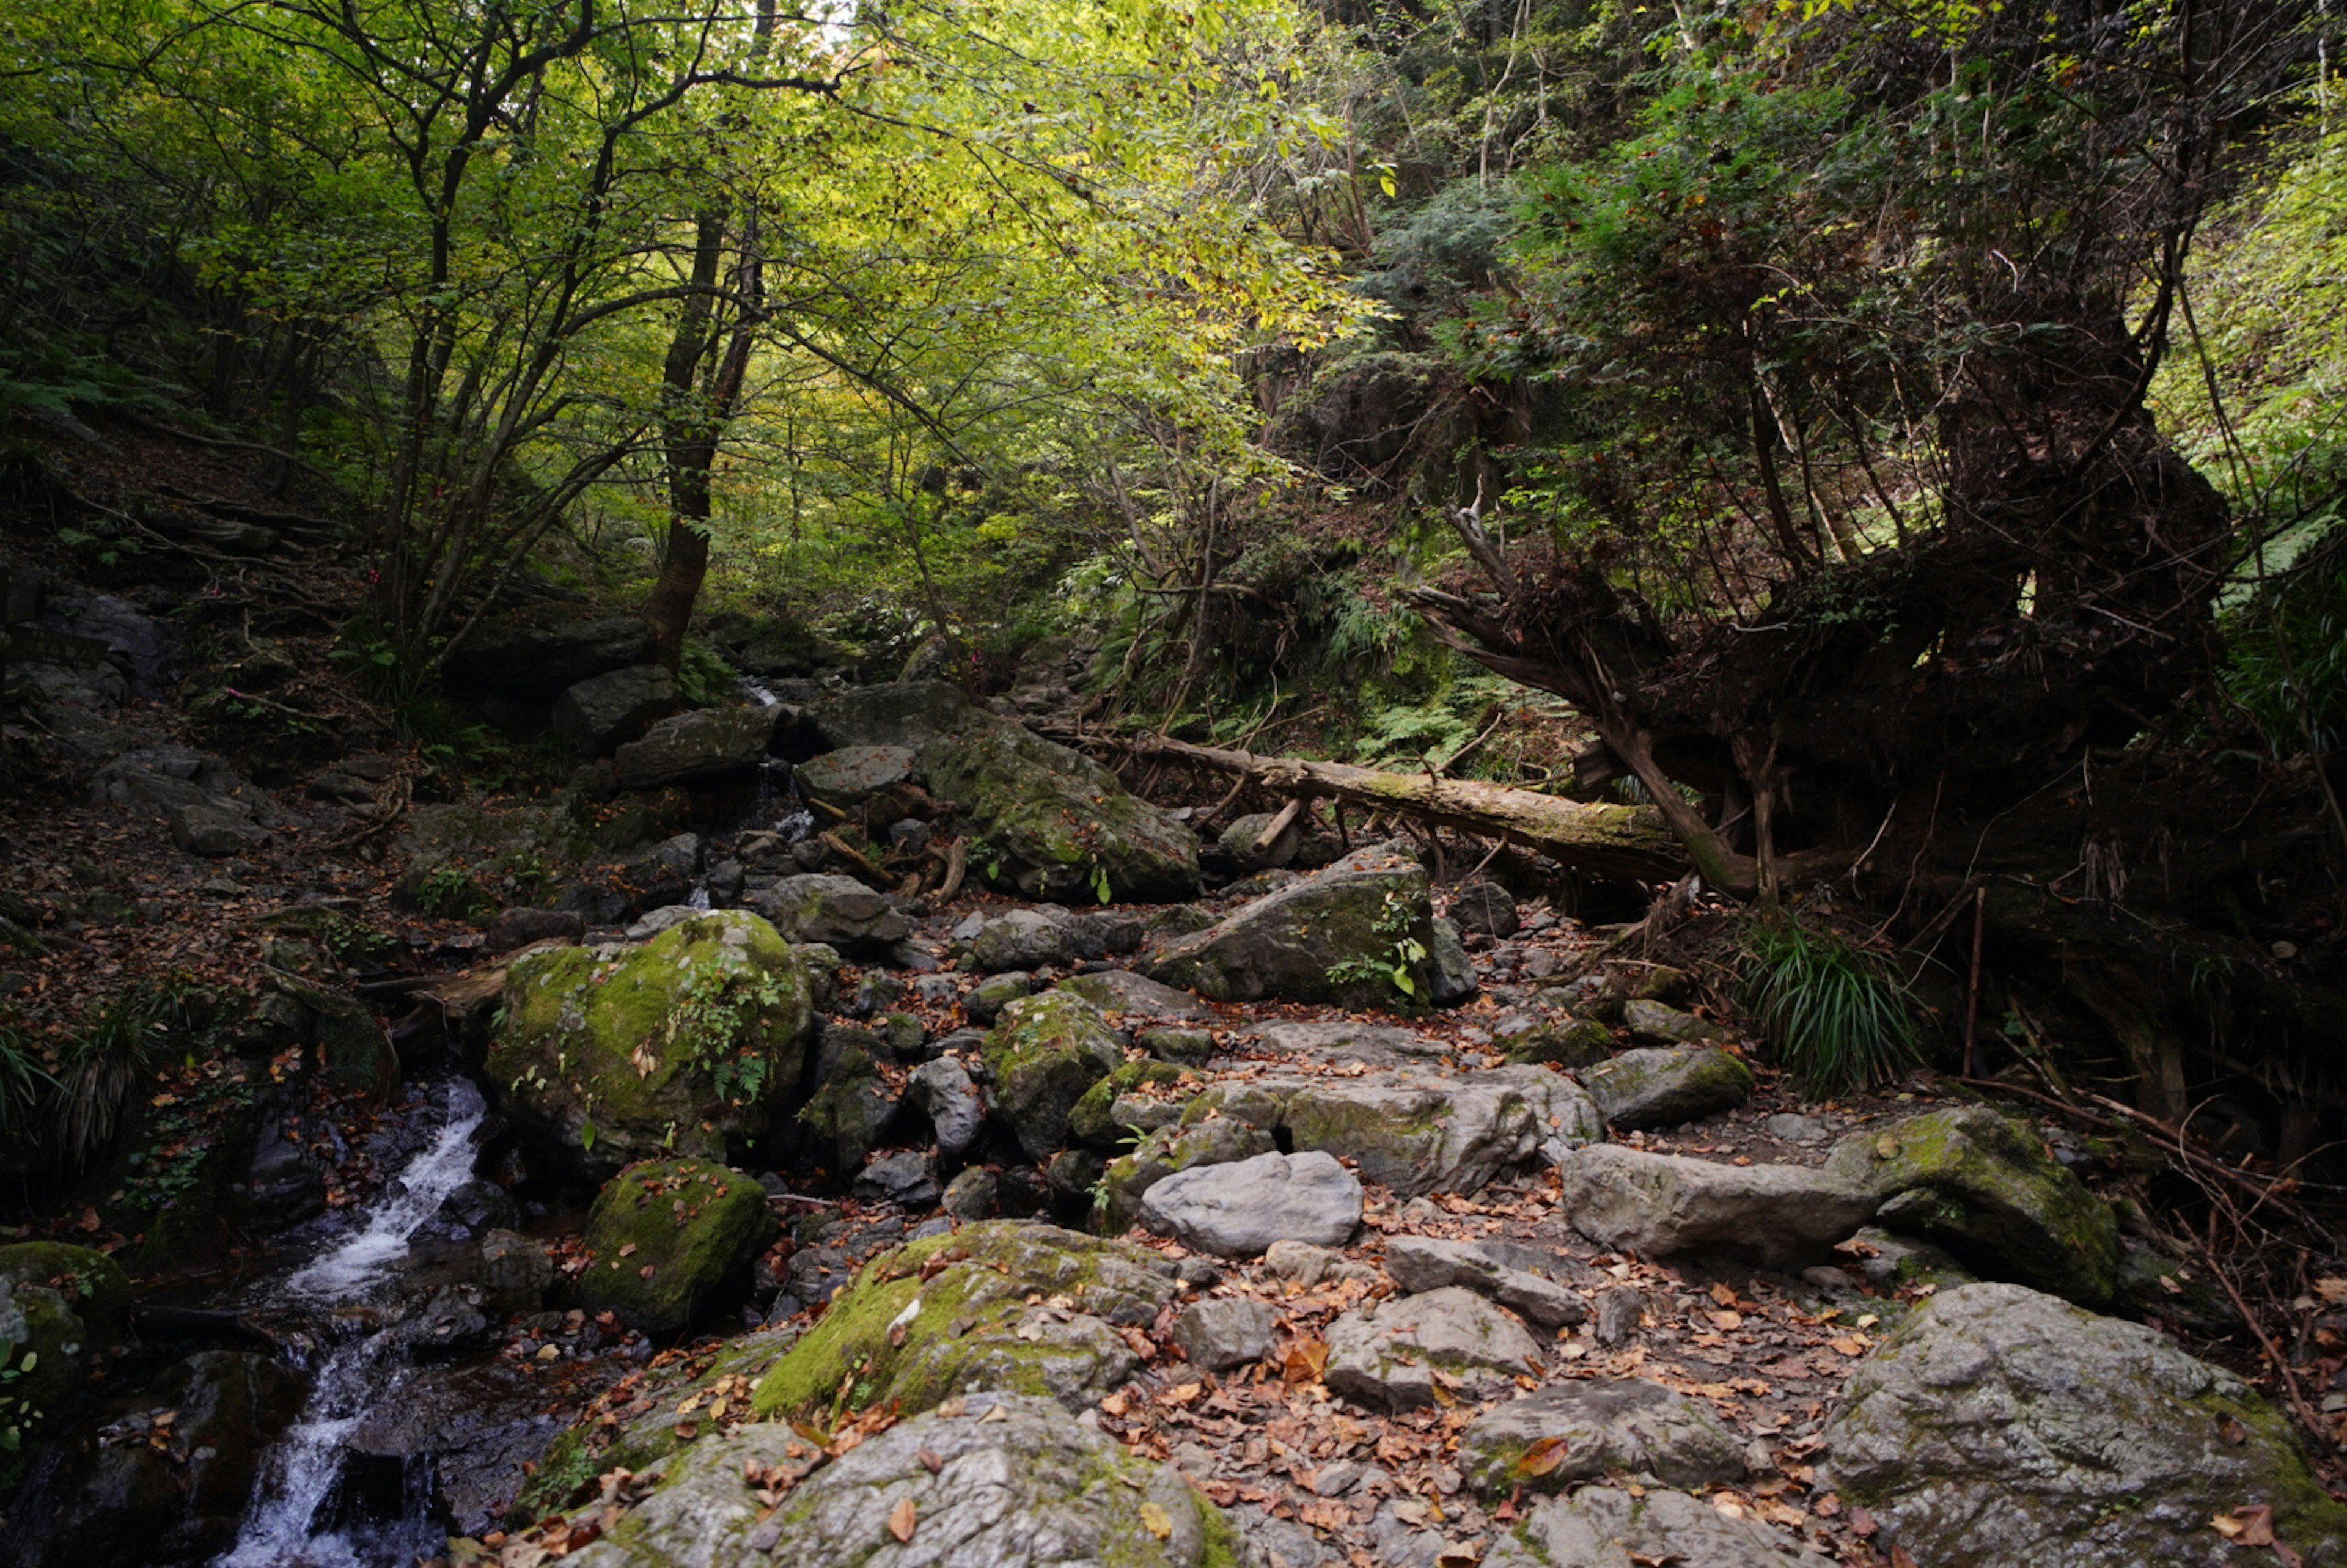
1051	823
991	996
905	1177
450	1323
286	1184
1416	1129
462	1435
942	1091
969	1326
1655	1088
1237	1209
478	1205
1043	1055
519	928
705	743
837	911
614	708
1334	937
1419	1263
665	1239
1620	1424
1124	992
1650	1020
1998	1425
1390	1357
1483	907
1605	1527
1020	940
127	1499
1026	1489
537	657
1982	1184
1663	1205
1220	1141
971	1196
607	1055
1224	1332
513	1271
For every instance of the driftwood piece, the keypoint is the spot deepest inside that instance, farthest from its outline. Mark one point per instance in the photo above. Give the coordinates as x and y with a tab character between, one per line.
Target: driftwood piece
1607	840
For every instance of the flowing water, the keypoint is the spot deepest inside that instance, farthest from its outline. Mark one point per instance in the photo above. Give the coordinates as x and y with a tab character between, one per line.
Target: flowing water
292	1522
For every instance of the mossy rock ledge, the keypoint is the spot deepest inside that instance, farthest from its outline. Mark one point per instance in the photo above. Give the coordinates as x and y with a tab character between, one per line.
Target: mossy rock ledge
612	1054
666	1237
948	1315
1005	1481
1998	1425
1981	1184
63	1308
1048	823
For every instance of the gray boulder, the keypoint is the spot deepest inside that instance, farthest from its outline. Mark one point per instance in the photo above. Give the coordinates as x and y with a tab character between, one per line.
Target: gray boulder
1333	936
703	744
1662	1087
1607	1527
1418	1263
1662	1204
154	779
1390	1356
1218	1142
1005	1481
1043	1055
1483	906
846	778
1999	1426
1982	1185
898	714
1651	1020
1240	1208
987	999
1124	992
215	827
837	911
1239	841
1416	1129
1453	977
519	927
1224	1332
1051	823
1020	940
1600	1427
614	708
943	1091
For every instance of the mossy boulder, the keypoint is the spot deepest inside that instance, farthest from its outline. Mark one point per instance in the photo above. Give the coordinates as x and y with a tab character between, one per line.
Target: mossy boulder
1003	1481
665	1237
1982	1185
1663	1086
1144	1094
1215	1141
949	1315
1335	937
1998	1425
1560	1042
688	1044
1049	823
1043	1055
62	1312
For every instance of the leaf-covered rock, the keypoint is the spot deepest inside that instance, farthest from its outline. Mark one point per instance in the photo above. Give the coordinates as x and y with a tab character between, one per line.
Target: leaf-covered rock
665	1237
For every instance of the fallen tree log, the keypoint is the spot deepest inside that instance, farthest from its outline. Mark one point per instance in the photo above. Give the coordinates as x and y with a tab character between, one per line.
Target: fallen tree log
1606	840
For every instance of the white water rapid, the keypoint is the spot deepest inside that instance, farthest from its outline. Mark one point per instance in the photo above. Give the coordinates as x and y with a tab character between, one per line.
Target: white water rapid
283	1529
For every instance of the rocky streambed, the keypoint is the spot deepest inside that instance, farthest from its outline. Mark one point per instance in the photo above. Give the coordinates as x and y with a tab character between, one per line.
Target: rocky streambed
761	1214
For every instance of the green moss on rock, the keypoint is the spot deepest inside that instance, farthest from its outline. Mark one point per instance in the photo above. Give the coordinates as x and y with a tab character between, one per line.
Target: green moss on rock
948	1315
62	1313
1982	1185
1094	1118
1043	1055
663	1238
686	1044
1050	823
1211	1141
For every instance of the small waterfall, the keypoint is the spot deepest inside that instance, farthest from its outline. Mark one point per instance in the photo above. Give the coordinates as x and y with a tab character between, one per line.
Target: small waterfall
283	1527
699	897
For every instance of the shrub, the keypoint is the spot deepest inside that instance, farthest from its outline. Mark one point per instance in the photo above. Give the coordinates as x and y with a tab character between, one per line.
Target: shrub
1838	1017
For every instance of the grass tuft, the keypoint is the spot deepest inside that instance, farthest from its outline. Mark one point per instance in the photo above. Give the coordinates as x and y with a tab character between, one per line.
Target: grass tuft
1839	1018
